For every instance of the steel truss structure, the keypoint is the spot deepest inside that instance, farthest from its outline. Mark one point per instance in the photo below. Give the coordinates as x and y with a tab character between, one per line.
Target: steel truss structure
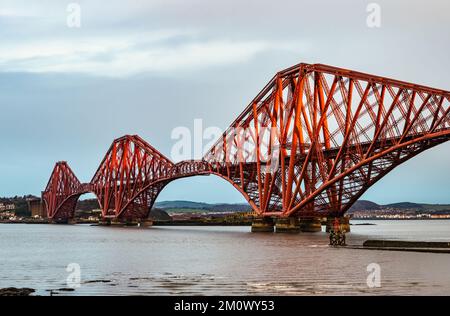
309	144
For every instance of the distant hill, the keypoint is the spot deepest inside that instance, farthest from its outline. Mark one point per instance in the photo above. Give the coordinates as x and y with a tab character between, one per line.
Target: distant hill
190	206
437	207
187	206
161	209
177	205
230	207
405	205
181	204
418	206
88	205
364	205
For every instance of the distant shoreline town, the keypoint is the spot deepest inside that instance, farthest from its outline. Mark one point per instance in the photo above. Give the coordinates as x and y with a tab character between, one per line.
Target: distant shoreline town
368	210
29	208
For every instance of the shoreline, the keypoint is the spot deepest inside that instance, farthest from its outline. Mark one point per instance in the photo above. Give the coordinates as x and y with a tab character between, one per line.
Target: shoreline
360	221
399	219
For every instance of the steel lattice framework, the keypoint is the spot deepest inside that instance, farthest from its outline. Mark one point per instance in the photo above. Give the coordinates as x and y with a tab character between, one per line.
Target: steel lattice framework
62	192
309	144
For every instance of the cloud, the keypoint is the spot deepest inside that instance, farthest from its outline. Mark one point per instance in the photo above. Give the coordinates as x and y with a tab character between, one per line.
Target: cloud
15	13
158	52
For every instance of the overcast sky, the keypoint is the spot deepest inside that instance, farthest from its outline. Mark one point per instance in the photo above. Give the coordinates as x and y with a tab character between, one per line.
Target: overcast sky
146	67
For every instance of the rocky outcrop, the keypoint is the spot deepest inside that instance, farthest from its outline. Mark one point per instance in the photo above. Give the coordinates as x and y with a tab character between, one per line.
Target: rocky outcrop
12	291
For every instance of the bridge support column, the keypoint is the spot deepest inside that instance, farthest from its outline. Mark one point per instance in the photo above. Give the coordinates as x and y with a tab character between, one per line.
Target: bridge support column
287	225
310	224
343	222
71	221
131	222
104	222
146	223
262	225
61	221
120	222
117	222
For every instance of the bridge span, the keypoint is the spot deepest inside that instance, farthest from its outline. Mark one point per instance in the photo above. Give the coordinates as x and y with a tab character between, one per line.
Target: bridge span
307	146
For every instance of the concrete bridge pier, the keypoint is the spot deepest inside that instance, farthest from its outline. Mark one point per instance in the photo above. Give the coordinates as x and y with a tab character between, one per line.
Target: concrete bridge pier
310	224
146	223
104	222
124	222
343	222
130	222
71	221
287	225
263	225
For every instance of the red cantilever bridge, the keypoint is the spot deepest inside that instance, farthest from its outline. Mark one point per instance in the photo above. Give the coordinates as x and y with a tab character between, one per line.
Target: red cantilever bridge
309	144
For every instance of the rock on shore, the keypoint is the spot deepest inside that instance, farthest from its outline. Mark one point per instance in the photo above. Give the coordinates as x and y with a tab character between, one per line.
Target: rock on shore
12	291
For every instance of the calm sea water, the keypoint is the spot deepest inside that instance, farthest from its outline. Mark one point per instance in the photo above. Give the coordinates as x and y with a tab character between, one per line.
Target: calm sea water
218	260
